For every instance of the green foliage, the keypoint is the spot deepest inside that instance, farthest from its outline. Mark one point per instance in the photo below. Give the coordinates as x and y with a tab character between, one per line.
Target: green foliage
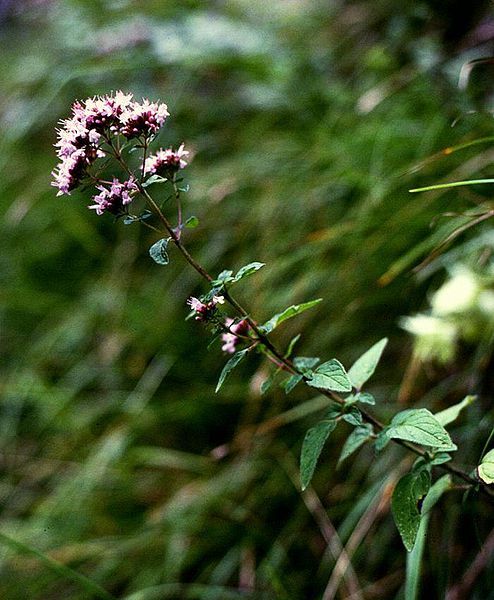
312	446
192	222
365	398
247	270
358	437
406	504
415	556
289	384
158	251
363	369
230	365
444	186
288	313
330	375
448	415
486	468
418	425
304	364
154	179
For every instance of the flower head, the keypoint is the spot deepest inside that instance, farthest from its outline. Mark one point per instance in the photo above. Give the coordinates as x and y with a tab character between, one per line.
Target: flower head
70	171
102	112
232	339
114	200
166	162
204	310
144	118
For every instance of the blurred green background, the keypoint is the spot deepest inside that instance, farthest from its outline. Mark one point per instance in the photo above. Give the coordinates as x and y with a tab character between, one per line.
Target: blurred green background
123	474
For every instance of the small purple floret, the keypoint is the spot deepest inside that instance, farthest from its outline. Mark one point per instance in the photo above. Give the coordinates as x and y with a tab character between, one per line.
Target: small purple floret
115	199
166	162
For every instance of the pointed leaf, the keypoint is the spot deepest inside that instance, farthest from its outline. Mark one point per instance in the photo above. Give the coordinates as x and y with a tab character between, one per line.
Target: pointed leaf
382	440
230	365
312	447
330	375
192	222
414	559
291	345
305	363
365	398
153	179
447	416
419	425
288	313
289	384
158	251
248	270
485	470
357	438
406	504
353	416
365	366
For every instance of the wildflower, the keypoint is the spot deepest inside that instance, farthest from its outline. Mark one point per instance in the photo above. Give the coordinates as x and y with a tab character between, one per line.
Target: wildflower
114	200
166	162
231	339
143	119
104	112
92	121
204	310
70	171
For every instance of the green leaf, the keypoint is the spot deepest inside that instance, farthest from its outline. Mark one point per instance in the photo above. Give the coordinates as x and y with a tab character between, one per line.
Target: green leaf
353	416
154	179
419	425
443	186
192	222
447	416
224	277
305	363
288	313
248	270
365	398
406	504
230	365
365	366
414	558
158	251
289	384
291	345
330	375
357	438
382	440
312	447
267	383
485	470
440	458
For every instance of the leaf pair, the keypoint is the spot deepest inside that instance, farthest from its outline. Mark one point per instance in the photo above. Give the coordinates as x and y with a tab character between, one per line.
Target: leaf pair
332	376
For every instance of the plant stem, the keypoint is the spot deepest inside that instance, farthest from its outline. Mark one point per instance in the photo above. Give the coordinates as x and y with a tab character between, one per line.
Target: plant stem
266	342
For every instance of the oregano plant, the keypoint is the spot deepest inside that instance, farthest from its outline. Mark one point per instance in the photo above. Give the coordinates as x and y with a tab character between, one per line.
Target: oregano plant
105	149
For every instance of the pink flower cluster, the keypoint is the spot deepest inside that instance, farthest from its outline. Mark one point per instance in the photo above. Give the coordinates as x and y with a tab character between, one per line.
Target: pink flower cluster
232	338
114	200
204	310
93	121
143	119
166	162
